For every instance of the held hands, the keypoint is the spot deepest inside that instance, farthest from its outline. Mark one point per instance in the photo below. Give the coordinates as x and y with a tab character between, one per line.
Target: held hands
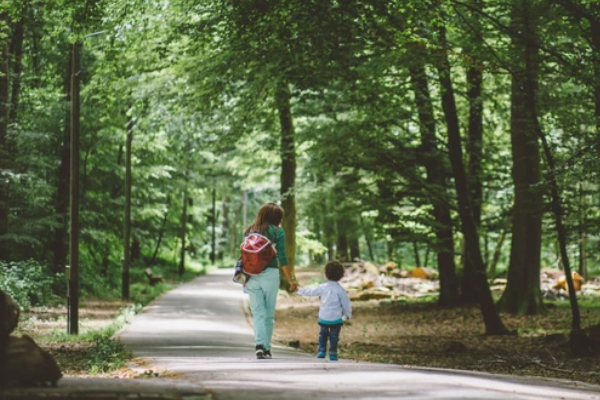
293	284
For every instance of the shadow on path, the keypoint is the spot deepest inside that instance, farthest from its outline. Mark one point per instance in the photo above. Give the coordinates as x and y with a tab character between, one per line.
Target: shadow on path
200	330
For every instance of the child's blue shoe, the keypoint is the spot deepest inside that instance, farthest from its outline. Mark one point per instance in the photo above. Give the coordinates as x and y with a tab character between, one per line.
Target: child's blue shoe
321	354
333	357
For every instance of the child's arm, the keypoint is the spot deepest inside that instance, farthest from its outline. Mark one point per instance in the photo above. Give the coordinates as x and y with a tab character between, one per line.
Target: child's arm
316	291
346	306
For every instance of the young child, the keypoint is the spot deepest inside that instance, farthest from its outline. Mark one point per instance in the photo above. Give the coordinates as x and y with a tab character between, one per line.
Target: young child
335	304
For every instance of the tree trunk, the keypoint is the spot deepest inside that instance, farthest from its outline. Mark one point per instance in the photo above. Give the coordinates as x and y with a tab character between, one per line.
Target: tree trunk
342	243
595	33
288	170
491	273
213	220
582	233
474	144
557	209
74	190
436	177
492	321
530	86
184	215
161	232
522	294
390	251
416	253
17	54
4	153
136	249
234	233
317	258
367	238
354	249
60	246
225	228
329	226
127	217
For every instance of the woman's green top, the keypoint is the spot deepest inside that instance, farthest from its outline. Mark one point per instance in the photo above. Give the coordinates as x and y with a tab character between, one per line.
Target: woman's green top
281	258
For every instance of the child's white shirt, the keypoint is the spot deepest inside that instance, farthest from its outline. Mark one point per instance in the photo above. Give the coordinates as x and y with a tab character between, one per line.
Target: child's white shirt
335	303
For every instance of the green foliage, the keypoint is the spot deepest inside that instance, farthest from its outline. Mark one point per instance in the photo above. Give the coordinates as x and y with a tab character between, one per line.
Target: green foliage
107	354
193	81
143	293
93	335
28	282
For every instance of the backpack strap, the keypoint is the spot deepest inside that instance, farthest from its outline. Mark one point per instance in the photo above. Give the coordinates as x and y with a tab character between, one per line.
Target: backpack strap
266	234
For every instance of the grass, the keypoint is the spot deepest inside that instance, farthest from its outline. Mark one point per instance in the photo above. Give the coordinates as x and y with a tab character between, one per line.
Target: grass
95	351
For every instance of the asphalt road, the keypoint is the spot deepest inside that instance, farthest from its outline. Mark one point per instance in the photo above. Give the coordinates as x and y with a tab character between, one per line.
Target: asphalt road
201	331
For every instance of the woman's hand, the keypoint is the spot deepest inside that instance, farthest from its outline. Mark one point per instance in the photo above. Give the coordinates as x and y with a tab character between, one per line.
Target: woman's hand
293	284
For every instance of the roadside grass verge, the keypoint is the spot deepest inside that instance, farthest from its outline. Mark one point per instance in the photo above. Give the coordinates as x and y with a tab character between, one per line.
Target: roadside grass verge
95	351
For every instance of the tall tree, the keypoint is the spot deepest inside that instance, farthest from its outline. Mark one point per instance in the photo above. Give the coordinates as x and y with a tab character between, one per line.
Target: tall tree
127	211
474	143
436	178
16	51
59	242
288	169
523	294
4	113
493	323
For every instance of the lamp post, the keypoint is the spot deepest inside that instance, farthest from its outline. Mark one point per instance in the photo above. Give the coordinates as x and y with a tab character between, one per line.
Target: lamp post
73	281
76	72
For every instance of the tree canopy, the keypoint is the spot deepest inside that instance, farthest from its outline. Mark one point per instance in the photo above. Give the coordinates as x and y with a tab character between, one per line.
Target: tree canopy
461	136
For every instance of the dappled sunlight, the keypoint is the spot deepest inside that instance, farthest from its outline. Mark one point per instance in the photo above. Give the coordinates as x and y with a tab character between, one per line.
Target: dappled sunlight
191	324
216	293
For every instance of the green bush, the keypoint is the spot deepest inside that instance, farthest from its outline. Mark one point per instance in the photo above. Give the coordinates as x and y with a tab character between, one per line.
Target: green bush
107	354
28	282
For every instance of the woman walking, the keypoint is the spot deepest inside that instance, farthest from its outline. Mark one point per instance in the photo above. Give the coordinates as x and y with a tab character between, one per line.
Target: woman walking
263	288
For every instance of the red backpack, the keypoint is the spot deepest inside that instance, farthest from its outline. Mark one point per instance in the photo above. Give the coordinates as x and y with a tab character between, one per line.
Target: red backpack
257	251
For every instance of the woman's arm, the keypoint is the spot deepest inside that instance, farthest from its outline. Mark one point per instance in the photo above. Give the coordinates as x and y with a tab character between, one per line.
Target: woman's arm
291	279
283	260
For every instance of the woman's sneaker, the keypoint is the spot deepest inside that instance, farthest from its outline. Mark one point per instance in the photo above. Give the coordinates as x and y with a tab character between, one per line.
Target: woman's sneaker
268	354
260	352
321	354
333	357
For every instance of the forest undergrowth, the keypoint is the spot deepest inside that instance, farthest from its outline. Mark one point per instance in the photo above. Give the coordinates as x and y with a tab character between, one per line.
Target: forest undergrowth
419	334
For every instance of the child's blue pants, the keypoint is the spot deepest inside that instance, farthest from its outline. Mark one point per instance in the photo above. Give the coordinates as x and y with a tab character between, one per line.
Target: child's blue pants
331	332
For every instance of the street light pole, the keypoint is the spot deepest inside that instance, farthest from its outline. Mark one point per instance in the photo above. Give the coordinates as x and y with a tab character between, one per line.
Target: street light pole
74	190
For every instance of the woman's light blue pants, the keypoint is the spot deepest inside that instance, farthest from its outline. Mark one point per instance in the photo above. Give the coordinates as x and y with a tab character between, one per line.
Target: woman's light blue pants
263	290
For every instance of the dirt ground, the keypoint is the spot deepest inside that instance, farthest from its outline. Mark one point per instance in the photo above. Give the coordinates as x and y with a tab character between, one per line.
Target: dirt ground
420	334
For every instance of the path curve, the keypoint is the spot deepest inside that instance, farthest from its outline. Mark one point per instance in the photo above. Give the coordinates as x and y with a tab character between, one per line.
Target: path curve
200	330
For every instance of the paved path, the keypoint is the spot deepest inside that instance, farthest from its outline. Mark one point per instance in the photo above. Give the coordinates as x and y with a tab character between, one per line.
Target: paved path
200	329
